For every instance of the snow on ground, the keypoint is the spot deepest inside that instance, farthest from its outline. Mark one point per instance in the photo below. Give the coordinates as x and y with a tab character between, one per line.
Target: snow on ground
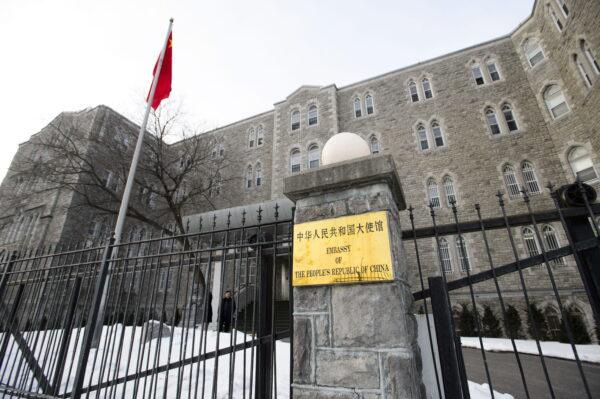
179	382
482	391
588	353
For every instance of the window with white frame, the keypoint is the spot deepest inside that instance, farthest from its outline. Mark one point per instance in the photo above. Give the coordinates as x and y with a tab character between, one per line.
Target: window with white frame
422	134
438	137
357	107
492	120
258	174
251	138
554	17
221	149
530	241
551	242
413	91
295	160
583	73
581	164
374	144
529	178
260	136
449	190
249	176
509	118
585	48
555	101
493	70
445	256
533	51
477	74
370	108
426	84
295	120
510	180
314	156
462	254
312	115
563	7
162	280
433	193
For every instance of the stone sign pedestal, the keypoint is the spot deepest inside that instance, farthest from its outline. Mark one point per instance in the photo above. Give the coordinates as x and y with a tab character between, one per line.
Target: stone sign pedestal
354	340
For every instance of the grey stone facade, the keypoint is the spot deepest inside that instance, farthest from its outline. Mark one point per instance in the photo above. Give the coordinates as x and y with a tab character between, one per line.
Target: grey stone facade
471	156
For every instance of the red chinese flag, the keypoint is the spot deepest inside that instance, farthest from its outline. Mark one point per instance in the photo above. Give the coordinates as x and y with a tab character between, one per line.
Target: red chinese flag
163	86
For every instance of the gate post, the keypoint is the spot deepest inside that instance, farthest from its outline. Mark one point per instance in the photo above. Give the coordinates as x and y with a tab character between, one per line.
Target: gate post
264	351
451	364
354	333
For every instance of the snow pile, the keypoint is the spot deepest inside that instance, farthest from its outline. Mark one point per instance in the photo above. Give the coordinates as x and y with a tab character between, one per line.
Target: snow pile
482	391
125	343
587	353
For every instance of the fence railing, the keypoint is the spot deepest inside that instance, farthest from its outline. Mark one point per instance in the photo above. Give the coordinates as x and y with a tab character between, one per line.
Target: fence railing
532	279
162	331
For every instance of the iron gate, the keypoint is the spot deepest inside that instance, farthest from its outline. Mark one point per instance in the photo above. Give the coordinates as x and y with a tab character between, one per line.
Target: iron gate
162	333
578	216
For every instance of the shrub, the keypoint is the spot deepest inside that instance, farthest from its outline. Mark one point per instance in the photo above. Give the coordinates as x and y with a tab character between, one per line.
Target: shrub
578	329
513	325
536	323
490	325
467	323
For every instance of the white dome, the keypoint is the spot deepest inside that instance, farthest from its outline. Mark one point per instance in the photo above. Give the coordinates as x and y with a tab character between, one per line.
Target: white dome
344	147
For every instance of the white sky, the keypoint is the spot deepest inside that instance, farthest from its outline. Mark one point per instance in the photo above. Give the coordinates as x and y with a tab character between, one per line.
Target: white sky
231	59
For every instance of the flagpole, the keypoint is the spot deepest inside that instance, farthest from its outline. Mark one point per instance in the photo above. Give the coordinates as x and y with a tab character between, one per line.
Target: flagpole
129	186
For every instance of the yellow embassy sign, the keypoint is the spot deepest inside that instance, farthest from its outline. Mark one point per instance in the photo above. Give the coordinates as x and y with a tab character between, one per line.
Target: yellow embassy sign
343	250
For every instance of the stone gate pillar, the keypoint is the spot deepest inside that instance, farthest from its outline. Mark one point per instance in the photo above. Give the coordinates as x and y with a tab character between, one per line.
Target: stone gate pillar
352	338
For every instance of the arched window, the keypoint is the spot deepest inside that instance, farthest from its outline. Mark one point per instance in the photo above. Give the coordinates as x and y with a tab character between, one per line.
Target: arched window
445	256
476	70
529	178
509	118
551	243
251	138
357	107
585	48
295	160
553	323
314	156
260	136
422	133
258	174
530	242
295	120
492	120
374	144
463	254
413	91
555	101
533	51
563	7
449	189
587	80
312	115
433	194
427	92
369	104
510	180
438	137
249	176
493	70
581	164
557	22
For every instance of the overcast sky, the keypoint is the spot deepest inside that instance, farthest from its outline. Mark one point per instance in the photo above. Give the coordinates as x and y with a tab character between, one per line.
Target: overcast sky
231	59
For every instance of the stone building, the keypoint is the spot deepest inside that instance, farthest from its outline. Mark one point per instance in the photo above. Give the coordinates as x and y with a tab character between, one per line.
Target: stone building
516	111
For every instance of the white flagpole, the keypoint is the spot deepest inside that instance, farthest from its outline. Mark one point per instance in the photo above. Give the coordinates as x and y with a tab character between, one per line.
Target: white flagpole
128	187
138	147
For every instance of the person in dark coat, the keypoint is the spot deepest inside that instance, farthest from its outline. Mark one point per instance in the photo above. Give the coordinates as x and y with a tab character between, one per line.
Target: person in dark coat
208	314
227	310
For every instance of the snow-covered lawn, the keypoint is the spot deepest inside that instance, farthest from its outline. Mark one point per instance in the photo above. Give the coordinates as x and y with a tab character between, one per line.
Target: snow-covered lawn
588	353
179	381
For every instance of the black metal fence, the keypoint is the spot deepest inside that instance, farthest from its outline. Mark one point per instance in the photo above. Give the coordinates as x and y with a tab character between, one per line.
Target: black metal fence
162	334
519	283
